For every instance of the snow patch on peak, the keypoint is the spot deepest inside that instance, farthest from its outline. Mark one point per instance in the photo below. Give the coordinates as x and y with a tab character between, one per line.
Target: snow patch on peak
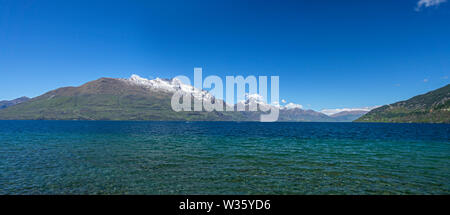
176	81
137	78
168	85
253	99
260	101
158	83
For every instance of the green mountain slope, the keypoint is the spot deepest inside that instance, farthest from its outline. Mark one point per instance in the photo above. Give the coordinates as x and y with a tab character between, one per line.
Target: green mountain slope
432	107
5	104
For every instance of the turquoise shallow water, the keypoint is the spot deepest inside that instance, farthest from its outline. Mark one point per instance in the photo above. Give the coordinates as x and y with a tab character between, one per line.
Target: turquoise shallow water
81	157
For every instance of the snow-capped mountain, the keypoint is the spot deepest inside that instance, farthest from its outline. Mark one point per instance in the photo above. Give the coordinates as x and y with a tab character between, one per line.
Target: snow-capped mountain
255	100
331	112
173	85
347	114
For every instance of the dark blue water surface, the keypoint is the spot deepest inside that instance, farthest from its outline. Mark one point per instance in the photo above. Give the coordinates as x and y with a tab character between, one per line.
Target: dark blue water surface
84	157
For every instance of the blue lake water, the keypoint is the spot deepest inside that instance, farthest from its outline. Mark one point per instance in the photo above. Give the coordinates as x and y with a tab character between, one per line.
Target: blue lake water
87	157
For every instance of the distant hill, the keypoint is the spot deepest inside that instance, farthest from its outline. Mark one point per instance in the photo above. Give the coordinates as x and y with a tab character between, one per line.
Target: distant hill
300	115
135	98
432	107
5	103
348	116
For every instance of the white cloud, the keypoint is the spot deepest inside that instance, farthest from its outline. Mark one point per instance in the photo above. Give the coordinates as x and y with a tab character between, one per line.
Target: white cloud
425	80
283	101
293	106
337	110
428	3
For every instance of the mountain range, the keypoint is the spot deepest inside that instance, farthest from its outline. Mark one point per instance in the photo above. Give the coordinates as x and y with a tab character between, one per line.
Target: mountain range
138	98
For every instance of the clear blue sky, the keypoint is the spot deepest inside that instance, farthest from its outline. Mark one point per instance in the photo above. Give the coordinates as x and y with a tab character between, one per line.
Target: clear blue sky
328	54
